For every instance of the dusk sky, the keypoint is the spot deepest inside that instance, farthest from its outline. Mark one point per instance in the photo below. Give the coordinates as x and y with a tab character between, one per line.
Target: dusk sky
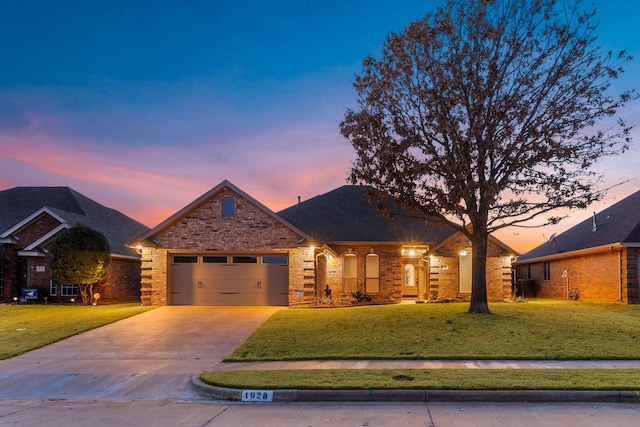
144	106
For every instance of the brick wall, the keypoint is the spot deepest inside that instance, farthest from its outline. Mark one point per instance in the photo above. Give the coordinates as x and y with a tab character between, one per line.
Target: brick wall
122	283
16	272
608	276
204	230
391	272
445	273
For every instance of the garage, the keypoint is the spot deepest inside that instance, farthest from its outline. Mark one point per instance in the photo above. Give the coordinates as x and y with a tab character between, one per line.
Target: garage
229	279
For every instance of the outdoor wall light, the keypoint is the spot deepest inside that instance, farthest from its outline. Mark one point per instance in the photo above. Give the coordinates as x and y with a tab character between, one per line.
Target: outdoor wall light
463	253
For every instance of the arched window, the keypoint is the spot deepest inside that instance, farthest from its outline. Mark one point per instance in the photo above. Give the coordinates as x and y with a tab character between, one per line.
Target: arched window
350	273
372	273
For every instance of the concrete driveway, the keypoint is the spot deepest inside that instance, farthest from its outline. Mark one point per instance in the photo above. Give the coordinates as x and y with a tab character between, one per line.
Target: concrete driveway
150	356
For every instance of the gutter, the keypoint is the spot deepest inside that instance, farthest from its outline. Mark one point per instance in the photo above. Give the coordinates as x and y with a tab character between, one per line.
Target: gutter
580	252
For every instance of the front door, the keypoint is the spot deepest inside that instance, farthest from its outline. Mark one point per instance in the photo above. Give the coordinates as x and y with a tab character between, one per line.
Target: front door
410	286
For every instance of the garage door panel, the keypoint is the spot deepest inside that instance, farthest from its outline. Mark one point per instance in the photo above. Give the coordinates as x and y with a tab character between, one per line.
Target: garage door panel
219	283
183	276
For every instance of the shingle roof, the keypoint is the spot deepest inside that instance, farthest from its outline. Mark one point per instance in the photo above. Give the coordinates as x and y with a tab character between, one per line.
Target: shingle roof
347	214
619	223
18	203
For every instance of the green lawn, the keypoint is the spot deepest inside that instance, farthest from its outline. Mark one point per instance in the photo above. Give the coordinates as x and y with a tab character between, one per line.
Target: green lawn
430	379
538	329
25	327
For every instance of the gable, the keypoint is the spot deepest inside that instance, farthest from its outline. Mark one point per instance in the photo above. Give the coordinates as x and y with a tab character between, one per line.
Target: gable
20	206
201	225
35	227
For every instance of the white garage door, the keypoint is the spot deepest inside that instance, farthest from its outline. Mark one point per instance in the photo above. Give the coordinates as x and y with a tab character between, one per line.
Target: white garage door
229	279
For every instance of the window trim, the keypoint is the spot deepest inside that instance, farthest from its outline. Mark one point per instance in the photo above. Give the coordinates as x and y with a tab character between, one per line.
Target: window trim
546	271
68	290
372	278
352	286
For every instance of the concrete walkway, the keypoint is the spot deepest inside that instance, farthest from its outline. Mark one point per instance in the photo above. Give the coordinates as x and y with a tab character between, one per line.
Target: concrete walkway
149	356
430	364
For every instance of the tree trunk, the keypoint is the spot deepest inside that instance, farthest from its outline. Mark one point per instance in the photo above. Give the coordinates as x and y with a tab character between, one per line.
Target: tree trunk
479	303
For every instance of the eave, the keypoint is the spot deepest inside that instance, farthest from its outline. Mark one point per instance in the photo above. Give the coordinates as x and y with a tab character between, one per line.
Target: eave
612	247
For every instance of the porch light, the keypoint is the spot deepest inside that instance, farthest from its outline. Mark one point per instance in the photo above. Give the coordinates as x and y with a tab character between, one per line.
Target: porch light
463	253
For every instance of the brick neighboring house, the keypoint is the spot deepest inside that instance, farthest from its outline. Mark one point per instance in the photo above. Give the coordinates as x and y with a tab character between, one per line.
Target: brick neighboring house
32	217
226	248
597	260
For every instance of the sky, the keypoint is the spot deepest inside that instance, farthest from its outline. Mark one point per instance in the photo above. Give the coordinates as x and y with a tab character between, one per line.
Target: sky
144	106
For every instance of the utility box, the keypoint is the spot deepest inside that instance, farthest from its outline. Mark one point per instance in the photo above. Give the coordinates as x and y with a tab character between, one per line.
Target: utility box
526	288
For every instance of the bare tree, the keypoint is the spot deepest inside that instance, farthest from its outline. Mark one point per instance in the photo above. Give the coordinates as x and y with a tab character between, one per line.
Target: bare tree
483	114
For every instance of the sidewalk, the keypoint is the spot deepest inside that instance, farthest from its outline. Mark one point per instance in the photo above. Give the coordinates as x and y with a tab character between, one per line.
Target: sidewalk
428	364
622	396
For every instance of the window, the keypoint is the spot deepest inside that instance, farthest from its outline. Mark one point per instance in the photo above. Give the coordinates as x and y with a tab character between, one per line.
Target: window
228	207
350	273
214	259
274	259
181	259
372	273
547	270
245	259
53	289
69	290
409	275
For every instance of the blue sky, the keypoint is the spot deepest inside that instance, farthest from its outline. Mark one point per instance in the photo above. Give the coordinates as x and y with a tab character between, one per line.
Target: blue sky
145	105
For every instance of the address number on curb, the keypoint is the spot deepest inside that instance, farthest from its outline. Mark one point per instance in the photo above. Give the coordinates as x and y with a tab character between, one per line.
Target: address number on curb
257	396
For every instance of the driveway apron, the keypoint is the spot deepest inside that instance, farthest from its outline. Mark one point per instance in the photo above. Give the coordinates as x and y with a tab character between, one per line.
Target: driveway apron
149	356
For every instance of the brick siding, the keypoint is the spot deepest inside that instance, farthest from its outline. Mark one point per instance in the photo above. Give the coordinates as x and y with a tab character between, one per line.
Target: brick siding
608	276
204	230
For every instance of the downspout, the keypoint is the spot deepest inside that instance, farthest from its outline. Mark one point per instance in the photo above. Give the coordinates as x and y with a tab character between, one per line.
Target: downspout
619	275
620	284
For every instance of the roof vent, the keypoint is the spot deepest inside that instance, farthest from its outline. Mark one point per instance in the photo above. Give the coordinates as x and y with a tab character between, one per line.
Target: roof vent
594	228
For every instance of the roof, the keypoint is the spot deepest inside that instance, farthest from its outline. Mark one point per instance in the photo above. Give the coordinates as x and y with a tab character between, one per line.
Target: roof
349	214
618	224
149	235
17	204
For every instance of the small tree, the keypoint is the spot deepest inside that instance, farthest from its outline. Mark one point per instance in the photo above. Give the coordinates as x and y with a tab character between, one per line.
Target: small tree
80	256
482	115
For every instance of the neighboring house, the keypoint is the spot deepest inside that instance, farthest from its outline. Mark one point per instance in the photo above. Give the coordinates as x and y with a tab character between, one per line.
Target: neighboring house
596	260
226	248
30	220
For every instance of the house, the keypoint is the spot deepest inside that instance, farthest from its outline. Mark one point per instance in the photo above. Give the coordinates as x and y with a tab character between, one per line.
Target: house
30	220
596	260
226	248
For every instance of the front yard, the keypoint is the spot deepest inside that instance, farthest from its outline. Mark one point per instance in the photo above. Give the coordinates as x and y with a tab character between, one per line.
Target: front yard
25	327
538	329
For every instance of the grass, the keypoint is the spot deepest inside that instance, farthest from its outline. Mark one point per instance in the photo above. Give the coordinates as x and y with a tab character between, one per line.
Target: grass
538	329
430	379
27	327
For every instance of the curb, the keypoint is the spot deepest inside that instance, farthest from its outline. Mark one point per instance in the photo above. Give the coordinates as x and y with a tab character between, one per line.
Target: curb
293	395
